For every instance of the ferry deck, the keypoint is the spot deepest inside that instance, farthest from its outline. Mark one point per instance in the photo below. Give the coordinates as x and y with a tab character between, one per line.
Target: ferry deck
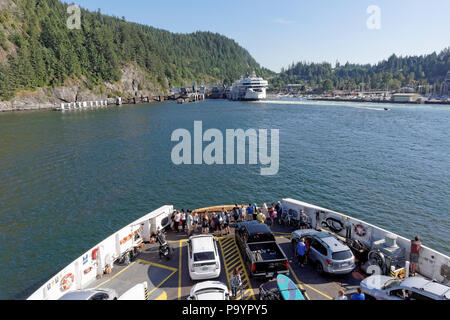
169	279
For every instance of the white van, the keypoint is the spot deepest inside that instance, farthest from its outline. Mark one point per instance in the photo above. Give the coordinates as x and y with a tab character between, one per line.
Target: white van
203	257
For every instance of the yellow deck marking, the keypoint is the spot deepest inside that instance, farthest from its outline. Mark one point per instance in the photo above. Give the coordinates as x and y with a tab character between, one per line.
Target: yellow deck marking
301	283
146	262
179	270
236	263
178	241
163	296
162	282
114	276
157	265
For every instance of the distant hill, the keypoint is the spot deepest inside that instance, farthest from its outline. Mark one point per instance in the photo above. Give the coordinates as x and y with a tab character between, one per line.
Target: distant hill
393	73
38	50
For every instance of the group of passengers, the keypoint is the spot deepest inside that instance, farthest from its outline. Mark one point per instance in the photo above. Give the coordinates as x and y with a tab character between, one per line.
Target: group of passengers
220	222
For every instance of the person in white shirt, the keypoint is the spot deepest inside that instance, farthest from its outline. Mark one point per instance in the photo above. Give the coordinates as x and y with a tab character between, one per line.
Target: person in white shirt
341	296
243	213
265	211
177	220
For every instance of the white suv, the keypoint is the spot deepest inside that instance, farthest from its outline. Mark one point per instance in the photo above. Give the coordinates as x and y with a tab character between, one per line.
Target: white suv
203	257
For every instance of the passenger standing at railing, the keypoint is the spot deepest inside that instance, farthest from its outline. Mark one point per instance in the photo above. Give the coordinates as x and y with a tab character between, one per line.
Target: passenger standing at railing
195	222
236	213
279	210
205	223
172	221
183	219
414	257
177	221
250	211
243	213
226	215
189	223
271	214
265	211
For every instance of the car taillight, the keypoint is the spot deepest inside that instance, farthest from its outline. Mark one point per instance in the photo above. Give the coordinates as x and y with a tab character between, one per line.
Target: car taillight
253	267
287	264
329	262
217	265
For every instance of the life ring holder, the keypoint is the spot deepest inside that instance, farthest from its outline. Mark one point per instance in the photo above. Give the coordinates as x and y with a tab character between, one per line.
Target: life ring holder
360	230
67	281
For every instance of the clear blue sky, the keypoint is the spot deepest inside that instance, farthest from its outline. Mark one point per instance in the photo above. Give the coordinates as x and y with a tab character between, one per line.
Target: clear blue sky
279	32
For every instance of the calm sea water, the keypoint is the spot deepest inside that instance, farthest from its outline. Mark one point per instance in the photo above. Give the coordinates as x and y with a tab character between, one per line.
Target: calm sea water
68	180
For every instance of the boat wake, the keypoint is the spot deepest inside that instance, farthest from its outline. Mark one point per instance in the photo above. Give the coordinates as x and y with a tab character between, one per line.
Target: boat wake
323	103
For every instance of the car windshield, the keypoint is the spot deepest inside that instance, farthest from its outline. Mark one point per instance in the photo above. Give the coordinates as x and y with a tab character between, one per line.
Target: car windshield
342	255
392	283
204	256
260	237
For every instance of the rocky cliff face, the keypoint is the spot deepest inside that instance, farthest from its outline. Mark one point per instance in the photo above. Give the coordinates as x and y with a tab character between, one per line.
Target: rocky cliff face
133	83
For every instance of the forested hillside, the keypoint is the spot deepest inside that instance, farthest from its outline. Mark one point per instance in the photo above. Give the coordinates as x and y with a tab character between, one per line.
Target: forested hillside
394	73
37	49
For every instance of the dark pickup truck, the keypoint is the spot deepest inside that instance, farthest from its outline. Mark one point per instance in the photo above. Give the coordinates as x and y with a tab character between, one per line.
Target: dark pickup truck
262	255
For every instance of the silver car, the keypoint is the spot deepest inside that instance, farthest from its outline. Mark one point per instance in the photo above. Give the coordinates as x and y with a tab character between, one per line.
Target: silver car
327	252
91	294
414	288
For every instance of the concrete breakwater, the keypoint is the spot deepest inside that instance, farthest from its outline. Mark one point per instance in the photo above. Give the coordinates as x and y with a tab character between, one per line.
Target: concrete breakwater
82	105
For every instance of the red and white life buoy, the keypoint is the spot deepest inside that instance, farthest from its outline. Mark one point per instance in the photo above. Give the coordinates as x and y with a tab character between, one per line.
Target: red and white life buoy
360	230
94	253
67	281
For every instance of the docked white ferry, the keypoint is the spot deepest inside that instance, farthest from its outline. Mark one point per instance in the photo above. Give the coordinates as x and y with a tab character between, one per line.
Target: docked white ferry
250	88
102	272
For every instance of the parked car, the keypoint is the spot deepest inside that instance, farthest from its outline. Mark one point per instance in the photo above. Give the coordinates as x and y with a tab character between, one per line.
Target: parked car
203	257
414	288
91	294
262	255
209	290
327	252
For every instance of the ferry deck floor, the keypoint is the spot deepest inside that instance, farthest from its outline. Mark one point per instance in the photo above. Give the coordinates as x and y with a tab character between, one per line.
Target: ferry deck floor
169	279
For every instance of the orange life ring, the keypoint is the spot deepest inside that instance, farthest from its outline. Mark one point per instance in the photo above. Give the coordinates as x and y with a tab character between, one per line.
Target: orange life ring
67	281
360	230
94	254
